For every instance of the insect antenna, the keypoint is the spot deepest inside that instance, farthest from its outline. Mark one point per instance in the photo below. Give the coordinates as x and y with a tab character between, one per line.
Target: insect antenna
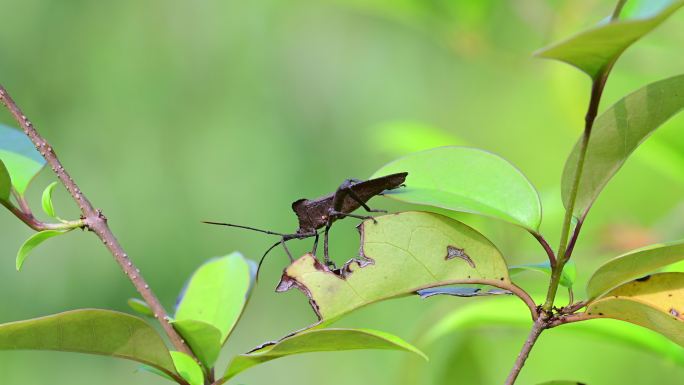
261	261
243	227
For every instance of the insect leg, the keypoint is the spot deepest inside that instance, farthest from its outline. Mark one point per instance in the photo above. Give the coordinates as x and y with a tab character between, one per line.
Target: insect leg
363	204
362	217
315	245
282	242
326	256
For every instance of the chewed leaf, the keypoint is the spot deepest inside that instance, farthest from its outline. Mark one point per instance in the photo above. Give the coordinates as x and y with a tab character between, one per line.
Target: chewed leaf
594	50
218	292
461	292
20	157
400	254
35	240
141	307
204	340
46	200
321	340
635	264
5	183
655	302
469	180
567	277
616	134
188	368
92	331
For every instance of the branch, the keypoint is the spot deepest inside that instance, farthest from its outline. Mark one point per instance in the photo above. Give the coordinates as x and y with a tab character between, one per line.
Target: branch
37	225
95	221
539	325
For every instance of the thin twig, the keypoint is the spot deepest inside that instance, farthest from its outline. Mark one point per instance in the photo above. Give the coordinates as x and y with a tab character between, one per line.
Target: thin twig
573	239
537	329
37	225
549	251
570	318
96	222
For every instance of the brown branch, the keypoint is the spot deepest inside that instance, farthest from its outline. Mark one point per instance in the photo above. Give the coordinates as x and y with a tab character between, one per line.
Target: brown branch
566	319
37	225
95	221
539	325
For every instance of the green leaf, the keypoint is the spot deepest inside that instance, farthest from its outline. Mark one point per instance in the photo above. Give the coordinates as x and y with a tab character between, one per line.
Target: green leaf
47	200
633	264
468	180
188	368
20	157
400	254
509	312
5	183
567	277
596	49
217	293
150	369
141	307
654	302
92	331
203	339
616	134
35	240
321	340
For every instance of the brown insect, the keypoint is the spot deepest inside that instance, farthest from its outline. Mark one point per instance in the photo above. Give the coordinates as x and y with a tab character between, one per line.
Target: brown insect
322	212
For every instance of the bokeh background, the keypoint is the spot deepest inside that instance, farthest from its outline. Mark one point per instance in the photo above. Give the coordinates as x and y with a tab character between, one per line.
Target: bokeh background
172	112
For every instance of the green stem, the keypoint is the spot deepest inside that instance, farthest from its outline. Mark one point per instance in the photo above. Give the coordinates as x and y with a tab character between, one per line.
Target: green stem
563	255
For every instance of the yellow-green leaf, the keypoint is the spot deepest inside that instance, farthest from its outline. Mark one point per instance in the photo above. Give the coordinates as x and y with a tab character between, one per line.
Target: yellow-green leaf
33	241
47	200
5	183
141	307
567	276
321	340
634	264
468	180
401	254
507	313
596	49
616	134
92	331
188	368
655	302
204	340
20	157
217	293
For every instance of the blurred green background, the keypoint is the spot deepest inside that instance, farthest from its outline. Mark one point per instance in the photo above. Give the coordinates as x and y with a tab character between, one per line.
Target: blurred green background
169	112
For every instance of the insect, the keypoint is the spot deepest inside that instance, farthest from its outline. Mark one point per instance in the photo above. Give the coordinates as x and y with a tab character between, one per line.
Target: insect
322	212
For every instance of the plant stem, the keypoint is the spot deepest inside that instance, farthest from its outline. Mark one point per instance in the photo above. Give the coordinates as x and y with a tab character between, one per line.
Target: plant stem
547	248
537	329
96	222
35	224
564	252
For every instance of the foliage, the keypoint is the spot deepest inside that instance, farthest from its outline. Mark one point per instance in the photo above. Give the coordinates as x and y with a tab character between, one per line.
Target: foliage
401	254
